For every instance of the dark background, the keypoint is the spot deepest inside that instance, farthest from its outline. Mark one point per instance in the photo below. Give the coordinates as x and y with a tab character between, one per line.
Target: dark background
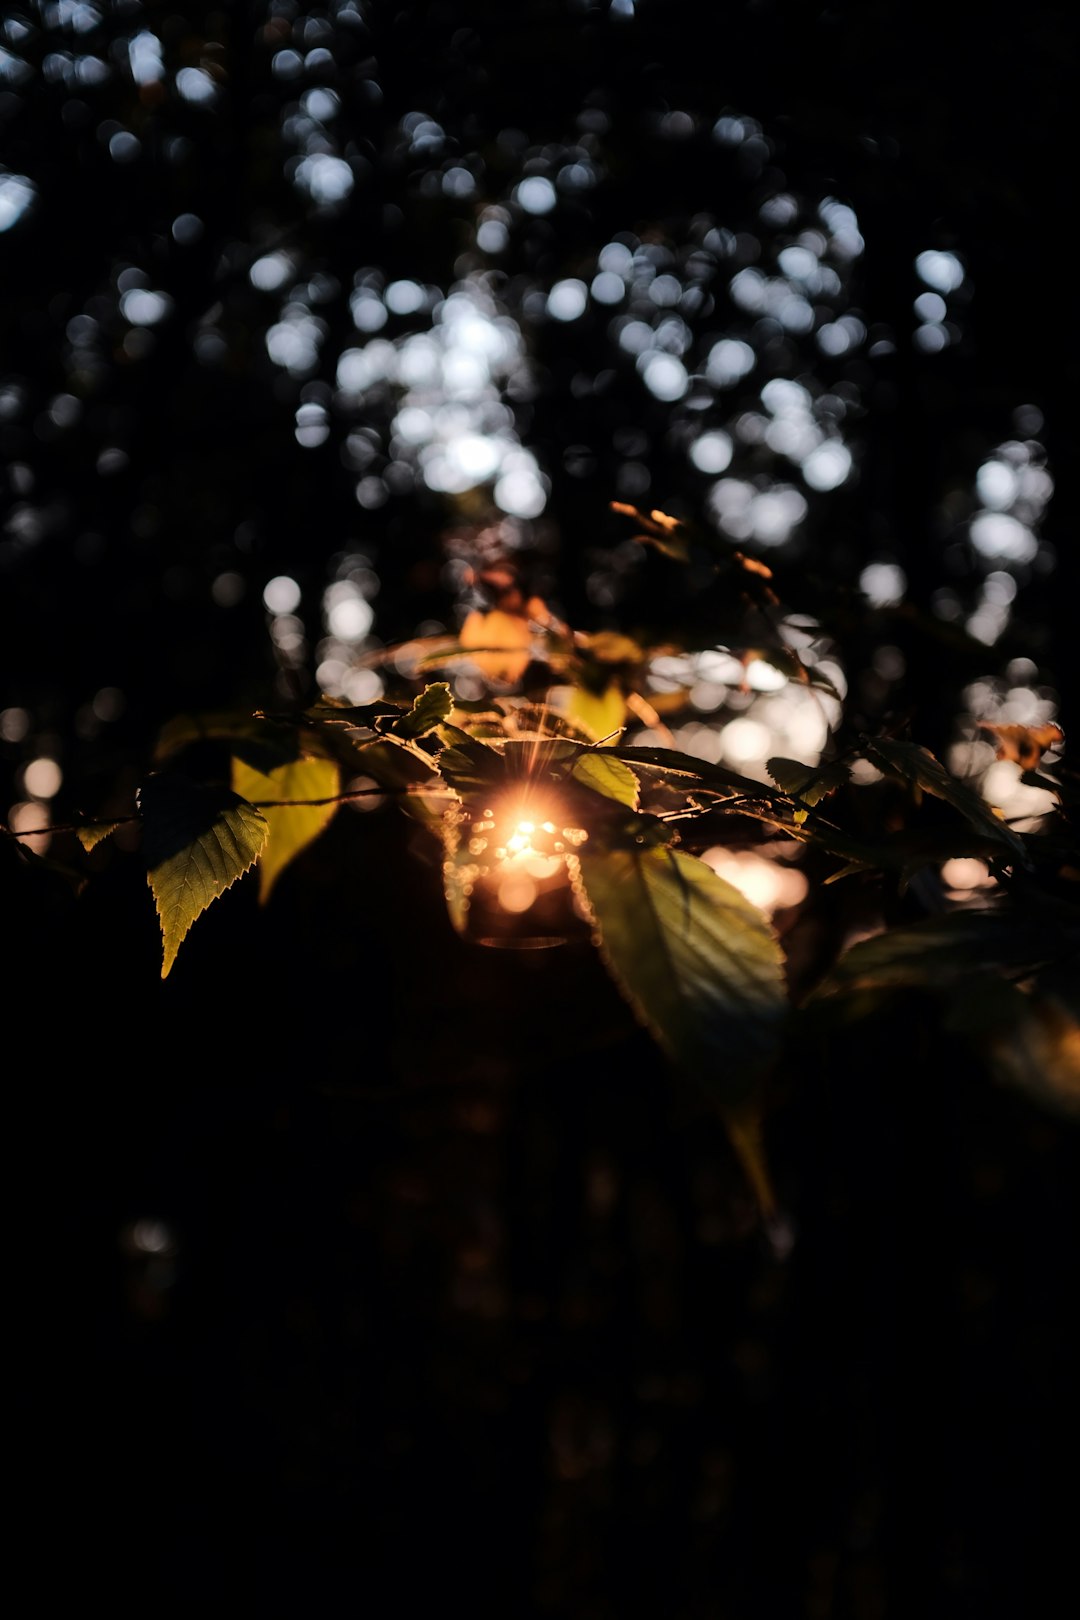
457	1294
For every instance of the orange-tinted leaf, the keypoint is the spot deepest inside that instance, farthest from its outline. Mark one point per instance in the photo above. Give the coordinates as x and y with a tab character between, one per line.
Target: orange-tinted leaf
502	642
661	531
753	566
1025	745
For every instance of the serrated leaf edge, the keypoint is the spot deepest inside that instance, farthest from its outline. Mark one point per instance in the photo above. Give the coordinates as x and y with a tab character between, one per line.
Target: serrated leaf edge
168	961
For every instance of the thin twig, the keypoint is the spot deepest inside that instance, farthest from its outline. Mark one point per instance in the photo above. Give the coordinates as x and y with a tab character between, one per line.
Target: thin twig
256	804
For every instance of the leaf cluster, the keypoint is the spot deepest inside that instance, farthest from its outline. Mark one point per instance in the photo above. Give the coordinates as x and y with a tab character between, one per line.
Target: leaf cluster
532	793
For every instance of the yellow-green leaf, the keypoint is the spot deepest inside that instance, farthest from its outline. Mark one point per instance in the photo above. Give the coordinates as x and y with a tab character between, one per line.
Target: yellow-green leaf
810	783
292	826
197	841
95	832
699	964
597	715
428	712
608	776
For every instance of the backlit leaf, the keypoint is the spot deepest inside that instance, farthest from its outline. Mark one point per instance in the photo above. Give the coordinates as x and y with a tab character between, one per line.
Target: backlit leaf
95	832
547	719
197	841
397	769
538	759
291	827
469	766
669	762
599	715
810	783
502	643
607	776
698	963
753	565
666	533
358	717
429	710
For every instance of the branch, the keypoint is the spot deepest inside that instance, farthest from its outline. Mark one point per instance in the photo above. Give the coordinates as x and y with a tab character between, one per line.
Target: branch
256	804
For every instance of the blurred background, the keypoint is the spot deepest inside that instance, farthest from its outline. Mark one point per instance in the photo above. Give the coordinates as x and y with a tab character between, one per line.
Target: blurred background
362	1256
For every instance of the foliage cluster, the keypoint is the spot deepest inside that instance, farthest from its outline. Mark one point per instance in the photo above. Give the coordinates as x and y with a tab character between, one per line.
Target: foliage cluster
554	827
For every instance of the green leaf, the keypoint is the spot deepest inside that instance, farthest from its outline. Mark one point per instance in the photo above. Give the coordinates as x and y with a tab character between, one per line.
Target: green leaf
477	769
429	710
539	758
354	717
917	766
291	827
470	767
699	963
810	783
607	776
197	841
92	833
669	762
